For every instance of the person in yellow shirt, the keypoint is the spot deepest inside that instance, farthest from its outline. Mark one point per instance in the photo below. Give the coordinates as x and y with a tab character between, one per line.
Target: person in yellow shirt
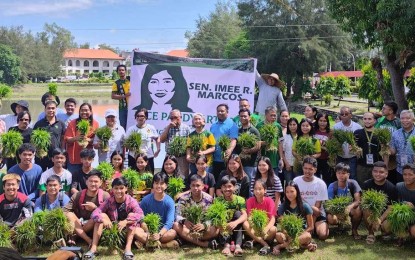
121	92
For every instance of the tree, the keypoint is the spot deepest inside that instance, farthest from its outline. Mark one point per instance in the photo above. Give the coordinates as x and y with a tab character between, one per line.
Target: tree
85	45
9	65
238	47
342	87
215	32
385	24
104	46
326	86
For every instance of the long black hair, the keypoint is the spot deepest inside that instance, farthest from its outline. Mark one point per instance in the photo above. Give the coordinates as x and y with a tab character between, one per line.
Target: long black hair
320	115
270	173
292	119
298	199
174	159
91	117
305	121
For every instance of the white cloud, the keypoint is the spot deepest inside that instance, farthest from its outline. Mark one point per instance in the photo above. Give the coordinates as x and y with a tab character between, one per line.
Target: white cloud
43	7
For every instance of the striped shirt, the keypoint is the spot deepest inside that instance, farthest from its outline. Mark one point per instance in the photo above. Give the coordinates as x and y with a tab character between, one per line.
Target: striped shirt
271	190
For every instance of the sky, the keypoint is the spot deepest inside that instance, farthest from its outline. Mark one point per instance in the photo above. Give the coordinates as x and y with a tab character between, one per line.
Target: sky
149	25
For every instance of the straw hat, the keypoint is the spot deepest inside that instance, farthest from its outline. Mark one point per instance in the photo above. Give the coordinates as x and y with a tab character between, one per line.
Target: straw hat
279	83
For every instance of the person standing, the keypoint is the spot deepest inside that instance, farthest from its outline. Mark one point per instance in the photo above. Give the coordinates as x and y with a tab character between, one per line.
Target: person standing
69	115
270	93
176	128
244	104
389	119
17	107
121	92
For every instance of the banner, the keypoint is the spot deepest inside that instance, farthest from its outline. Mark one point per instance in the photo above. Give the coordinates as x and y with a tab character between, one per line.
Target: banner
161	83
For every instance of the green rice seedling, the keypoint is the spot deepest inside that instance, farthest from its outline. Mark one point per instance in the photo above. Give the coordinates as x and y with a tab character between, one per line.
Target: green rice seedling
83	128
132	178
53	89
224	143
293	226
41	139
218	214
384	137
56	225
269	134
337	206
147	177
25	236
113	238
375	202
412	142
106	169
153	223
348	137
333	148
400	218
195	144
10	142
5	235
258	220
38	218
177	146
104	134
305	147
175	186
194	214
133	142
5	92
248	141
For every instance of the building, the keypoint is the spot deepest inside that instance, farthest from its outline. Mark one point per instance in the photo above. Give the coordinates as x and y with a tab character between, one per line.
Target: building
178	53
85	61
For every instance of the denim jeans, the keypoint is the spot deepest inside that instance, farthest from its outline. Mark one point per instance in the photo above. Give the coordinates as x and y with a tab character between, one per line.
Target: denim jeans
123	113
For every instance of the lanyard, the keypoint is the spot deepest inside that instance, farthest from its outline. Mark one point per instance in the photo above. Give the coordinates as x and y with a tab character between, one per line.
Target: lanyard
369	141
406	137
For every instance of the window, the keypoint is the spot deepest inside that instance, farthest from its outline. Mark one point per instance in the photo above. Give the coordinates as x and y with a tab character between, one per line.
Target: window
105	63
116	63
95	63
86	63
78	63
70	63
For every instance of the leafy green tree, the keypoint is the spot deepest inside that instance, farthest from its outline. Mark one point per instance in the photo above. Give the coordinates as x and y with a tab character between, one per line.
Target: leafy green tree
385	24
104	46
85	45
342	87
9	65
369	86
410	83
239	47
327	85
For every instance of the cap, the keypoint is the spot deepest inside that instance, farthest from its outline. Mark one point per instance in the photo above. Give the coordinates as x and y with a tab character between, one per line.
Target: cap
21	103
110	112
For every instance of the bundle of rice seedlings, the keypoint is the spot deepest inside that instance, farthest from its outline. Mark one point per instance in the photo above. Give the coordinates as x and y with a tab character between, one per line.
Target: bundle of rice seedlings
400	218
333	148
384	137
10	142
5	92
248	141
25	236
83	128
153	222
56	225
133	142
375	202
337	206
292	225
305	147
258	220
175	186
5	235
104	134
224	143
194	214
106	169
177	146
218	214
348	137
132	178
147	178
113	238
269	134
53	89
195	144
40	138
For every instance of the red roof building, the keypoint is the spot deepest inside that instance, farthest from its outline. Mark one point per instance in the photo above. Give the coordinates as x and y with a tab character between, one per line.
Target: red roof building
178	53
349	74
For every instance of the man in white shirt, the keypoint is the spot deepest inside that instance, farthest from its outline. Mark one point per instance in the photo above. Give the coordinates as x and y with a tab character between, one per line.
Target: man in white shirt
314	192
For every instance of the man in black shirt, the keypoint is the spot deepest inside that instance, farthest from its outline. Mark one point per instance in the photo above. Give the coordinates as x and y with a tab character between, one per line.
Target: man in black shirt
79	177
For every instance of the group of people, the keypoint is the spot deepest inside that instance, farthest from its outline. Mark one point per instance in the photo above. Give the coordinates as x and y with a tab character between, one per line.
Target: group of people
278	181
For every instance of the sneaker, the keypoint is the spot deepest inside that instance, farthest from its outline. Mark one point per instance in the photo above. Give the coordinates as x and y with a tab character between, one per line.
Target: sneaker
213	244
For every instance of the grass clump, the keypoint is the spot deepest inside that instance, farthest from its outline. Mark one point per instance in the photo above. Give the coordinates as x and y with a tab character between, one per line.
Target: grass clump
83	128
175	186
400	218
194	214
292	226
5	236
248	141
258	220
104	134
269	134
153	223
218	214
25	236
106	169
224	143
132	178
133	142
348	137
53	89
384	137
195	144
56	225
147	178
113	238
337	206
333	148
305	147
375	202
177	146
10	142
40	138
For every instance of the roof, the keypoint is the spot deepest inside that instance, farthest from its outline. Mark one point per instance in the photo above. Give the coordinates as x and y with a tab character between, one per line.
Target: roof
178	53
349	74
92	54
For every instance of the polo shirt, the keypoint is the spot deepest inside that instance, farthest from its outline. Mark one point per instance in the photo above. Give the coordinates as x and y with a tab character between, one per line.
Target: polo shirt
226	127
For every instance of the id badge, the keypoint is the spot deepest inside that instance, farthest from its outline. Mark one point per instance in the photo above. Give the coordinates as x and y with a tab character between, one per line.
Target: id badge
404	159
369	159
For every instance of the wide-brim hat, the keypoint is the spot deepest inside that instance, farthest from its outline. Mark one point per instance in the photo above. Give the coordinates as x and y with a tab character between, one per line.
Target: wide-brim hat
21	103
279	83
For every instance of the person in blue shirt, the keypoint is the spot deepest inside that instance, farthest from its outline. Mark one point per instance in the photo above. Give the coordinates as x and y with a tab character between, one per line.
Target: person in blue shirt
162	204
344	186
54	197
28	171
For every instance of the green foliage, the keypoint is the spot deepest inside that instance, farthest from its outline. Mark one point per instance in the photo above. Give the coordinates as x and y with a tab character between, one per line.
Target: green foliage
369	85
384	137
224	143
133	142
269	134
410	83
292	225
104	134
153	222
333	148
238	47
9	65
175	186
10	142
5	91
56	225
412	142
258	220
375	202
348	137
25	236
41	139
39	217
195	144
132	178
327	99
248	141
177	146
305	147
337	205
5	235
400	218
194	213
342	87
53	88
106	169
147	177
217	213
83	126
113	238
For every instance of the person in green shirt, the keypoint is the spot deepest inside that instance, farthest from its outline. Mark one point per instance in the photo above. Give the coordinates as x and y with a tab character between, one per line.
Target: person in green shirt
389	119
244	104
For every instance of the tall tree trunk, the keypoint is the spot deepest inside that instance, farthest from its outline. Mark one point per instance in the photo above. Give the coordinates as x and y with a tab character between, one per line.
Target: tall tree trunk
377	66
397	72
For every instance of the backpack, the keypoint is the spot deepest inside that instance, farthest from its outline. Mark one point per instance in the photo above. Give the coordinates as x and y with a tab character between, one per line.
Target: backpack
350	187
43	200
83	195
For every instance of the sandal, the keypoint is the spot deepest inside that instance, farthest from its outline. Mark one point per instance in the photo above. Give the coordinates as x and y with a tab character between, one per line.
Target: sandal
128	255
276	250
89	255
248	244
312	247
213	244
370	239
227	250
238	251
264	250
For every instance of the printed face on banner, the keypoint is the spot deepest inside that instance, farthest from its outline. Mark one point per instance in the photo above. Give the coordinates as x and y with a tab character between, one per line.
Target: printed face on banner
161	87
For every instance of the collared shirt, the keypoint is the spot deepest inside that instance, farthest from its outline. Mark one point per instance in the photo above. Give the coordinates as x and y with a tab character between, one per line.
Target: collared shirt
148	134
183	130
186	200
115	143
226	127
401	144
351	128
56	130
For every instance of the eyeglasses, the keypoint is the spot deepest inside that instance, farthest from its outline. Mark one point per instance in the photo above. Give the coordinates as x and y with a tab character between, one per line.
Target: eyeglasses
23	120
140	116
